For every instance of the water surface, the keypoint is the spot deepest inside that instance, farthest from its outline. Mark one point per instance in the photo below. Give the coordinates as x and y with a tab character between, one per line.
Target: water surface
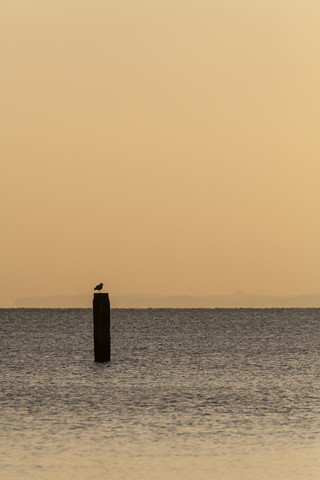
190	393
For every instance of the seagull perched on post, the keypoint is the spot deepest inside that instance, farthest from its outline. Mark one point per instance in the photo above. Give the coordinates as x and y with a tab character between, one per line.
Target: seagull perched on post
99	287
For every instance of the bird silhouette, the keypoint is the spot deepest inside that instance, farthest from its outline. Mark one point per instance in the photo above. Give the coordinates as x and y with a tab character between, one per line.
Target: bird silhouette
99	287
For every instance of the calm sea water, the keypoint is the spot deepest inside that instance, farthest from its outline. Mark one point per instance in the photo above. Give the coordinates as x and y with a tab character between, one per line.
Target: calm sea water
189	394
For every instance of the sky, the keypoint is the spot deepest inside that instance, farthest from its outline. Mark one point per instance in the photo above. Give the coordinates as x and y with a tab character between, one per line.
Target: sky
164	147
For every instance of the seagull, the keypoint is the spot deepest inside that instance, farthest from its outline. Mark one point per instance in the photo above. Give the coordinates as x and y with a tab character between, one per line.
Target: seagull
99	287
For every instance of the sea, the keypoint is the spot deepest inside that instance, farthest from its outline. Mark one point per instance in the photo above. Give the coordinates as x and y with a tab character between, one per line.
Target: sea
223	394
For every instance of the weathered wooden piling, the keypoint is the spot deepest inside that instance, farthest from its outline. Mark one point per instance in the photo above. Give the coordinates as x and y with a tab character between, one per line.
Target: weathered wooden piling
101	327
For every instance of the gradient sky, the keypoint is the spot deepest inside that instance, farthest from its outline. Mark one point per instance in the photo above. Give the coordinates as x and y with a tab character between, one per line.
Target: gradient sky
159	146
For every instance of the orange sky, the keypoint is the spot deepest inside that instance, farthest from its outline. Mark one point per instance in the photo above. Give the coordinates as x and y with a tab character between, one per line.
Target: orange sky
164	146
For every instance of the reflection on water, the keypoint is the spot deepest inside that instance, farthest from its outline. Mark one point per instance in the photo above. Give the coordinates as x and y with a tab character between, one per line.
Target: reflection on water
226	393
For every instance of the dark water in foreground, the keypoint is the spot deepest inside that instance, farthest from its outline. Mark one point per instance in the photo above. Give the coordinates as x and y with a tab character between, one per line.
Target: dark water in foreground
226	394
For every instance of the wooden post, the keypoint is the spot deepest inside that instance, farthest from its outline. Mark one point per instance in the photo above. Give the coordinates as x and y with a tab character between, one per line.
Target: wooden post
101	327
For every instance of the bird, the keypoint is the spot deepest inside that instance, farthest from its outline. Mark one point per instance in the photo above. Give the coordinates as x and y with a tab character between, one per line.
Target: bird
99	287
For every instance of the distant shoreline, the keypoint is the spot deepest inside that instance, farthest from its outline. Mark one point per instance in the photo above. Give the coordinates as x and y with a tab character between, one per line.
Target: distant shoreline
163	308
153	301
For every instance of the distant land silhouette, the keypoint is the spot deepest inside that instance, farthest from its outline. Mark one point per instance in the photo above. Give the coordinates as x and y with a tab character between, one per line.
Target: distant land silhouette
234	300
